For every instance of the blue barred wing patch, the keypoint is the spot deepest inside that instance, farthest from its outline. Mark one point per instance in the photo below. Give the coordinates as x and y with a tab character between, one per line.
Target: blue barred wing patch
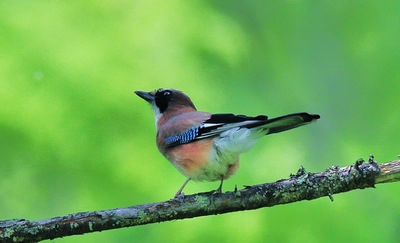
183	138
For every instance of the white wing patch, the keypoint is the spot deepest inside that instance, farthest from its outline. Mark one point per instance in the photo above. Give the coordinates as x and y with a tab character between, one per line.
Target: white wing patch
224	128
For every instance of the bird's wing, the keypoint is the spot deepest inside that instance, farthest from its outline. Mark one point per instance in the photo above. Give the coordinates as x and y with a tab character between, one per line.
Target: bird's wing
219	123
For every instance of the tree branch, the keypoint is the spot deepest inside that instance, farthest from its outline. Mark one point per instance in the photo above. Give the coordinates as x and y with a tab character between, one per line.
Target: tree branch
301	186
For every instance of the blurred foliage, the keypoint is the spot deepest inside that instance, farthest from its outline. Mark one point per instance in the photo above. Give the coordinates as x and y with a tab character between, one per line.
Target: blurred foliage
74	137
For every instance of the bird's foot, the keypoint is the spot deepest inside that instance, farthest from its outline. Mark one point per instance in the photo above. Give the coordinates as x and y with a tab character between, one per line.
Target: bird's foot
179	197
217	191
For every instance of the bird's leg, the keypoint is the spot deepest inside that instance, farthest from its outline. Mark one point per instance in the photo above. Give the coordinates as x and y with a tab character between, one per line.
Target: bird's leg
181	189
219	189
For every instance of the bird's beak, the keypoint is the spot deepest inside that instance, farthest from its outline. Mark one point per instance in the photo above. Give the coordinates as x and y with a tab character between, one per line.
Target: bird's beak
147	96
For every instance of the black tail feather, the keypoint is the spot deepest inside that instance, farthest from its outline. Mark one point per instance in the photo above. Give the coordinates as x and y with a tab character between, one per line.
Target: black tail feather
287	122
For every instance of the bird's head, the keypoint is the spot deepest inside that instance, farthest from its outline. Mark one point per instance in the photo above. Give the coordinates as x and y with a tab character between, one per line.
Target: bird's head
167	102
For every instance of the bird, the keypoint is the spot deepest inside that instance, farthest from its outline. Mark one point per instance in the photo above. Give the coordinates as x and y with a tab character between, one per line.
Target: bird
205	146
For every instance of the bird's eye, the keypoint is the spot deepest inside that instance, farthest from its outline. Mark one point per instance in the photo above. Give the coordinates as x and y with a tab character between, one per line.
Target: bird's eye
167	93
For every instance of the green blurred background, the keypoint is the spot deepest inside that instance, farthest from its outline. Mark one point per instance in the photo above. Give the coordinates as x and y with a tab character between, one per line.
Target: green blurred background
74	137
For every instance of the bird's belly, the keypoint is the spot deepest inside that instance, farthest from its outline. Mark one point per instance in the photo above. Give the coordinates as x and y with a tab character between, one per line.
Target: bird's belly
201	162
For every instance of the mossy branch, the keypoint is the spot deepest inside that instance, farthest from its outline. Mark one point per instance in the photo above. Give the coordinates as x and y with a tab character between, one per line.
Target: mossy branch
301	186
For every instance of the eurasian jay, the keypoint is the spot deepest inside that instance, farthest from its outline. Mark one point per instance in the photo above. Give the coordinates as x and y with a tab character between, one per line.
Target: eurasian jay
205	146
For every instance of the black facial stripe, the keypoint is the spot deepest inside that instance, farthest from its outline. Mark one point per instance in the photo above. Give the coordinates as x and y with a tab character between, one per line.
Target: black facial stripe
162	99
162	104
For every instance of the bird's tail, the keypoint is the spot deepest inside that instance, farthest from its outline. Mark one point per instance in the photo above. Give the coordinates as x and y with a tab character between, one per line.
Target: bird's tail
287	122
